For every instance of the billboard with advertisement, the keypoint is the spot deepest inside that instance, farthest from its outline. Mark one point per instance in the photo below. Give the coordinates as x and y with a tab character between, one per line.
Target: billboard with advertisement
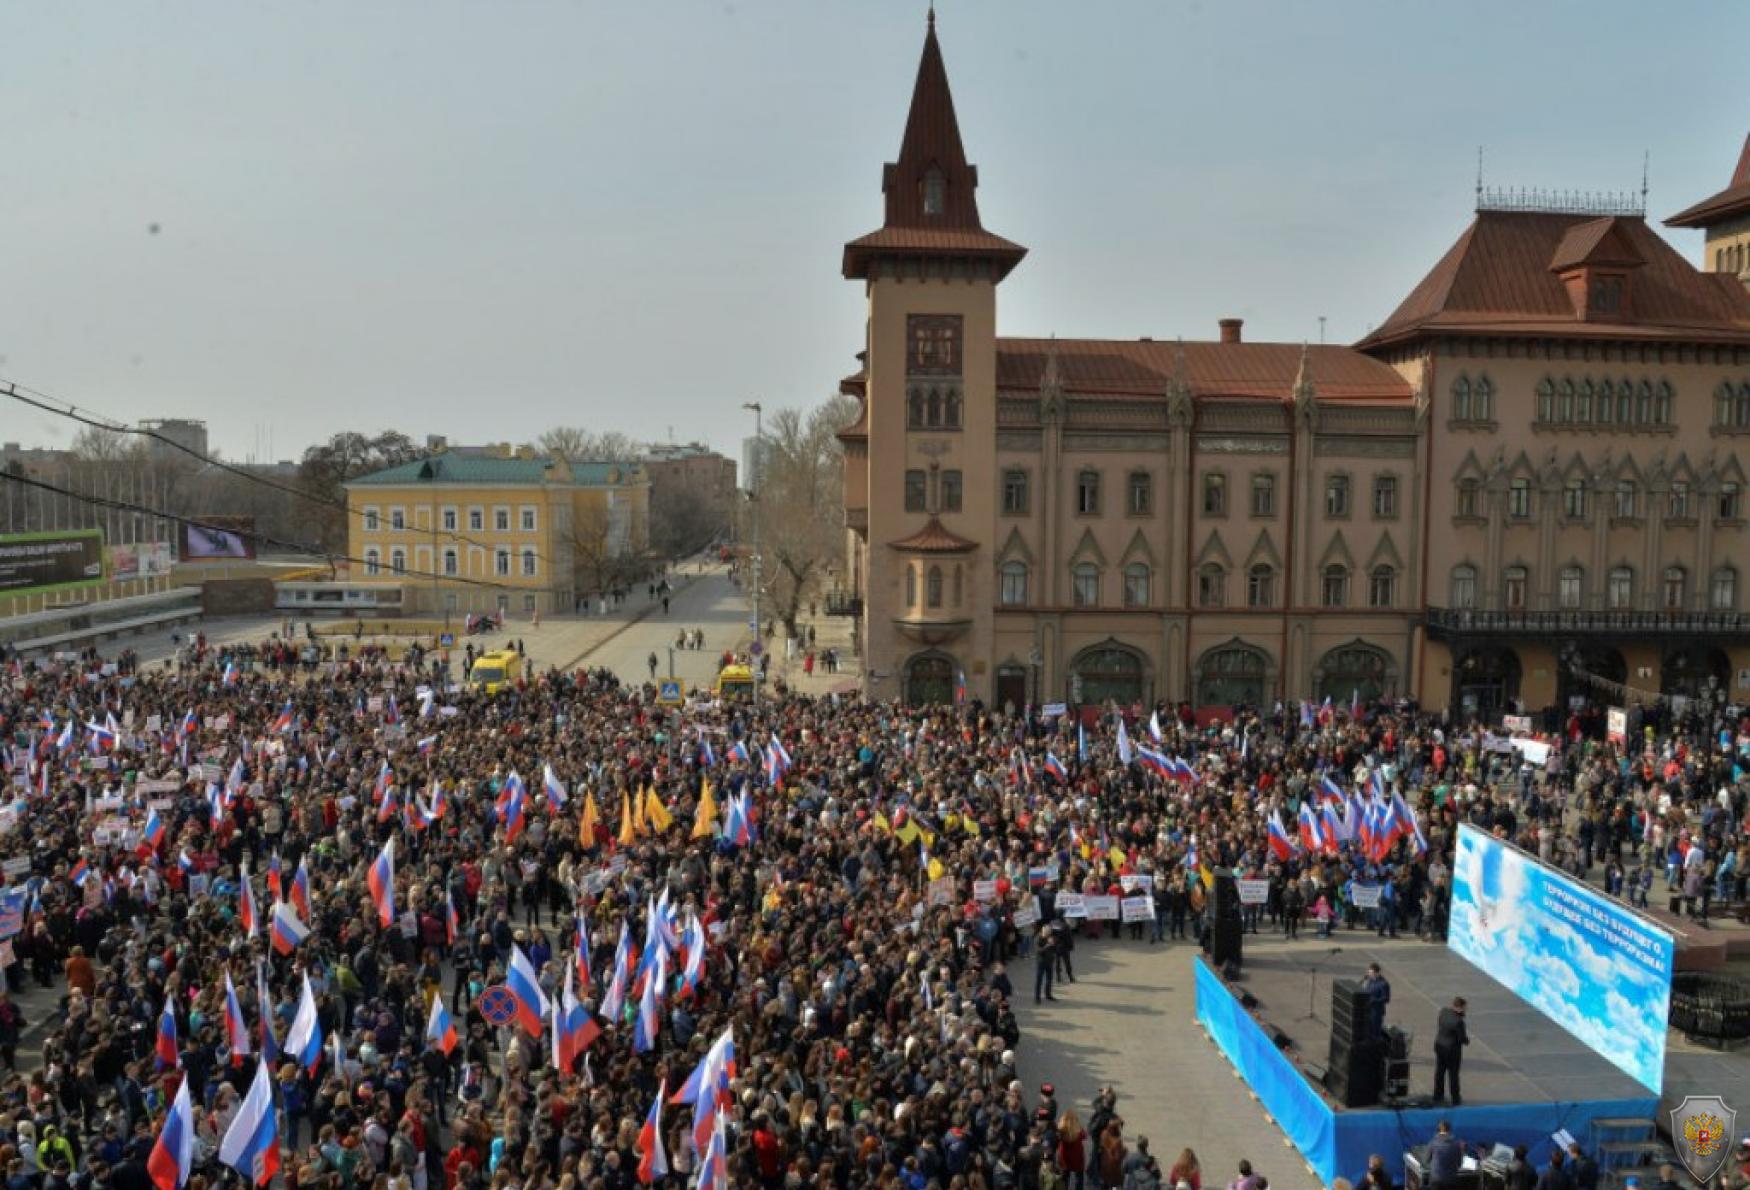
218	539
57	560
146	559
1585	960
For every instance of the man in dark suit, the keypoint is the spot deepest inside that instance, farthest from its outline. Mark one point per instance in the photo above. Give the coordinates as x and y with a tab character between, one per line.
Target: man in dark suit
1450	1038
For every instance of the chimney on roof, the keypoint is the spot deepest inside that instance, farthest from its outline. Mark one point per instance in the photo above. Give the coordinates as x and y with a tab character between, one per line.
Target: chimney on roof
1230	329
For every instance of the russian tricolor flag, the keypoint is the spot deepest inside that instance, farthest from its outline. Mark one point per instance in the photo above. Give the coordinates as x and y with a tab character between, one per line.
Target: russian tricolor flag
554	788
440	1030
1310	836
381	879
172	1157
614	1000
283	722
270	1050
164	1047
525	988
1055	768
1281	846
304	1038
301	891
288	931
229	677
652	1156
236	1031
584	975
154	834
246	915
252	1144
452	925
648	1028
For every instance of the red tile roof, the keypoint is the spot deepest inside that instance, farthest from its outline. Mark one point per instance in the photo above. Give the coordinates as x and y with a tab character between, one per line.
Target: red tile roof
1595	242
1733	200
934	538
1498	279
934	242
1144	367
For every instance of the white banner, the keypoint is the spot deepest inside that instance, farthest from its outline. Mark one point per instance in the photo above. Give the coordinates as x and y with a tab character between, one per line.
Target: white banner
1137	908
1364	896
1101	908
1070	905
1253	892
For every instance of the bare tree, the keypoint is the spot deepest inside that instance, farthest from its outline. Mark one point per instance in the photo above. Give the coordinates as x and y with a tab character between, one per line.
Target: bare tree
800	495
93	444
578	445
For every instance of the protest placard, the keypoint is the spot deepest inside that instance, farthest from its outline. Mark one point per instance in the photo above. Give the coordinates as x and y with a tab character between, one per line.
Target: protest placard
1136	880
1253	892
1365	896
1101	908
16	866
941	891
984	890
1028	914
1137	908
1071	905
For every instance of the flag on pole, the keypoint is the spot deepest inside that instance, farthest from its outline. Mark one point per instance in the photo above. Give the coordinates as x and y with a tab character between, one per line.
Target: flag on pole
381	879
252	1144
164	1046
270	1050
236	1031
652	1156
440	1030
525	988
172	1157
304	1038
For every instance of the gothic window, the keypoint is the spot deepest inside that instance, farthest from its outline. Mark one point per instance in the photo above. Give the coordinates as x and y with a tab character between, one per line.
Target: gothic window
914	410
1483	400
1464	586
1015	492
1385	497
1662	404
1470	498
1014	587
1741	406
1382	587
1461	399
1677	502
1519	499
1606	402
1263	494
933	587
1729	506
1212	585
933	410
1334	585
1574	499
1724	403
1214	494
935	192
1136	585
1546	400
1625	404
1261	585
1583	403
1085	585
1627	498
951	411
1643	403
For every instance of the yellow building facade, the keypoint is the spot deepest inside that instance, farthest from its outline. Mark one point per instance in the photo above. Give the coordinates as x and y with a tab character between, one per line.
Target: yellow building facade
498	530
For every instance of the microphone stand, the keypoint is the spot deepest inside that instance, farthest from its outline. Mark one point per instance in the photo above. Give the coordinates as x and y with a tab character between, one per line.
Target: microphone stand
1312	984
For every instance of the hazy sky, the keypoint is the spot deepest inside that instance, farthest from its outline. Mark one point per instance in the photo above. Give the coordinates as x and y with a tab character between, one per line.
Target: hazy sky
481	219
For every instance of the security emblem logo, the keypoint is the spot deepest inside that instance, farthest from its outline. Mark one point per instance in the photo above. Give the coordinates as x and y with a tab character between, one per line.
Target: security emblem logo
1702	1126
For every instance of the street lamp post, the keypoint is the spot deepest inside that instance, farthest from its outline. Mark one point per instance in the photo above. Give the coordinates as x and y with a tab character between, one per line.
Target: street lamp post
755	483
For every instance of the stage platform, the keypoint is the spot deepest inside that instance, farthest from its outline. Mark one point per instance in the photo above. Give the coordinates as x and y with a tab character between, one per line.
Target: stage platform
1524	1077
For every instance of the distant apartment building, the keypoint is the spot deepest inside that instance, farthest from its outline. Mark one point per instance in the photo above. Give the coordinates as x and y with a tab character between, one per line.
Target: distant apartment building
498	529
188	434
692	495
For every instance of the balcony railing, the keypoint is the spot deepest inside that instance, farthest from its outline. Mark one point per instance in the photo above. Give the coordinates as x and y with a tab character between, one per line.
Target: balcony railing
844	603
1446	620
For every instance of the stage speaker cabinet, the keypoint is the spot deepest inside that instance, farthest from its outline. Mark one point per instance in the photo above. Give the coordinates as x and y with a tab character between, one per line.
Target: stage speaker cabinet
1351	1012
1228	927
1357	1072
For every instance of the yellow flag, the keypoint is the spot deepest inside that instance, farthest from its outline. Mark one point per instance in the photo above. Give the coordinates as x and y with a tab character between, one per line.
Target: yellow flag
587	824
655	813
638	800
909	833
969	825
1207	876
705	818
628	834
937	871
1116	857
882	823
929	837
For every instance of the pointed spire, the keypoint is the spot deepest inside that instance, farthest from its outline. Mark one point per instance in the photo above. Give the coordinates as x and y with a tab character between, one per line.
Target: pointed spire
1051	381
1303	381
931	185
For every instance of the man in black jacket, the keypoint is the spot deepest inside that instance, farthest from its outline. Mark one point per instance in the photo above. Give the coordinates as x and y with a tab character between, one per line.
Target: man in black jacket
1450	1038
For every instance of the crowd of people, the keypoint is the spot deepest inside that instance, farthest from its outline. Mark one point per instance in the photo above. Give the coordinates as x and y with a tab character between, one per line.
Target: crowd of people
801	913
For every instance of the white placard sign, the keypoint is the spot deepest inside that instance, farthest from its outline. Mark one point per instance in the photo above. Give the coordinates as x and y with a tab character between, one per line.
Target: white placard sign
1101	908
1028	914
1253	892
1365	896
1071	905
984	890
1137	908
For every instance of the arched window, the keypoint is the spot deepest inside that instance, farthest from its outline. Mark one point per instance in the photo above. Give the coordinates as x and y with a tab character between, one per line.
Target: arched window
1724	402
398	560
951	410
914	409
1619	588
1569	586
957	585
1743	405
1723	592
1464	586
1212	585
1261	585
1565	402
1606	399
1625	401
1334	585
1085	585
933	587
1643	403
1136	585
1483	400
1662	404
1583	403
1675	589
935	192
1014	586
911	586
1546	400
1382	587
933	416
373	562
1514	581
1461	399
